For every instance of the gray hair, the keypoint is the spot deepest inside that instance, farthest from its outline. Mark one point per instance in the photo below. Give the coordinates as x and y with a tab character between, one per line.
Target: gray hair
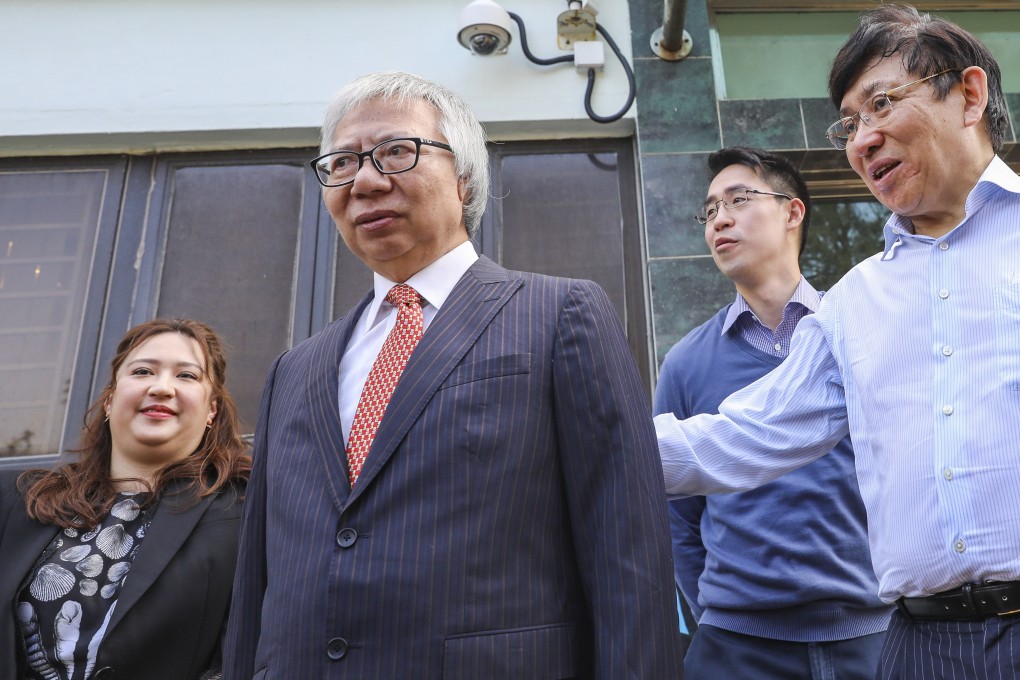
926	45
457	123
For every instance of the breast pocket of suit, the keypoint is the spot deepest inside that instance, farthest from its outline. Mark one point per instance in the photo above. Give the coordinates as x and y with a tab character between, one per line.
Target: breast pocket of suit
488	369
536	653
489	400
1007	333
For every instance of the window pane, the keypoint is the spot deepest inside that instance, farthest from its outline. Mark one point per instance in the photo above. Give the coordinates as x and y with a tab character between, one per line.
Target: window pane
48	224
841	234
786	37
562	215
353	278
230	261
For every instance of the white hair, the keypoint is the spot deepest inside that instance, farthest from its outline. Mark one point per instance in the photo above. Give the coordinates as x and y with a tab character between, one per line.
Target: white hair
457	123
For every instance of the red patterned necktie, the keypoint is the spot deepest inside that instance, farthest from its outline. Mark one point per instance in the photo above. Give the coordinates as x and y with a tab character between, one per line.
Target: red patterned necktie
385	373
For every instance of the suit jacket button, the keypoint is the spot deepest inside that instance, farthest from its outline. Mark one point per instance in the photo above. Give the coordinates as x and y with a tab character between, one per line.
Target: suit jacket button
336	649
346	538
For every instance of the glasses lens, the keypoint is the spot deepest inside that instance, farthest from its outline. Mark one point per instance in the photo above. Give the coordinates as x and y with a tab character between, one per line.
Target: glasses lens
737	200
837	134
396	155
879	107
338	168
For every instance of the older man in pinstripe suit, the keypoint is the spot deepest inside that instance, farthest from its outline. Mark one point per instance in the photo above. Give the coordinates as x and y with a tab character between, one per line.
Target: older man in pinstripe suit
496	514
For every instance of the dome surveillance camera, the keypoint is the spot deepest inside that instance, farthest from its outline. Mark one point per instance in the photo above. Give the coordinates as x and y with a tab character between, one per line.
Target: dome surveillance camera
484	28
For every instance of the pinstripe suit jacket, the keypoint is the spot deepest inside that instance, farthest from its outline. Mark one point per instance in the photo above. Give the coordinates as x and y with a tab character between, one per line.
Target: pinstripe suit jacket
509	521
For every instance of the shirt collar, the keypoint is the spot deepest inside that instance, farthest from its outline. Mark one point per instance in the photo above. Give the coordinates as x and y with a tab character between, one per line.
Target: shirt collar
996	176
804	295
434	283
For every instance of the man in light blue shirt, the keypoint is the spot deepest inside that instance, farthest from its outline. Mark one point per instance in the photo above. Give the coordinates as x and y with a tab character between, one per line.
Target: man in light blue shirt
915	353
780	577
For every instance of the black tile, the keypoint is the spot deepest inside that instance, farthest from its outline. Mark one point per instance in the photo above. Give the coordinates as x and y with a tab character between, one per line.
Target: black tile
819	114
676	106
674	189
686	292
764	123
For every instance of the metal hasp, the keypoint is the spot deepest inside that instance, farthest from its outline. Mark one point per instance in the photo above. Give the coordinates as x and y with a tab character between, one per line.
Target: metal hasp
577	24
670	41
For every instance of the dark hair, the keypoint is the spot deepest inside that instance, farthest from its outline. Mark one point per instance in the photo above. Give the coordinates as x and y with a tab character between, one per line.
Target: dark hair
776	171
926	45
81	493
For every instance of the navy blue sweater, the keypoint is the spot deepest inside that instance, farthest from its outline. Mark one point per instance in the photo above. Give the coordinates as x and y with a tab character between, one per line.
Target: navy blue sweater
787	561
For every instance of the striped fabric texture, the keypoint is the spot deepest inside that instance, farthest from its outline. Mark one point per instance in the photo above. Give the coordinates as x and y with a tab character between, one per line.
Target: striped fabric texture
915	352
509	519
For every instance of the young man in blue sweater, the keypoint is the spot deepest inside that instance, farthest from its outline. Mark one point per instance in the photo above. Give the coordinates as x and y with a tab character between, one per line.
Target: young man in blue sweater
780	577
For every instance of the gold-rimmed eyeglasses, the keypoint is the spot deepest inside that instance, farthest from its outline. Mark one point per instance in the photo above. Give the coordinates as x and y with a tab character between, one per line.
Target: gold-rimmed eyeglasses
338	168
738	199
874	113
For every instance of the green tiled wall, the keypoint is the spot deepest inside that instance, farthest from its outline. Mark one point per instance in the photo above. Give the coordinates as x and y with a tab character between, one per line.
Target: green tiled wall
679	123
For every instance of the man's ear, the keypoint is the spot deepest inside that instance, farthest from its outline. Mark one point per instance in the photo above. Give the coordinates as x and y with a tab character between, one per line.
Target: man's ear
975	94
797	211
462	188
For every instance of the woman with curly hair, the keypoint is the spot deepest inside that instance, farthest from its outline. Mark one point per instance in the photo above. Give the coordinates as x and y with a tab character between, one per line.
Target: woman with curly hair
119	563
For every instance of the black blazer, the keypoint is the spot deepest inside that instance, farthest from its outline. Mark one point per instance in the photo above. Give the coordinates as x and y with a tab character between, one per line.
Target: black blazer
172	609
510	520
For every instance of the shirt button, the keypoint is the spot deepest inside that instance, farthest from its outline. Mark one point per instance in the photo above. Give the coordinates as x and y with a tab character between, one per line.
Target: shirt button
959	546
779	347
948	474
336	649
947	410
346	538
943	246
947	350
944	293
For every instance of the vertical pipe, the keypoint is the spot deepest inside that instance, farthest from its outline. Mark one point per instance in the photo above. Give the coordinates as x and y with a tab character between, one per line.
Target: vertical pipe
673	15
670	41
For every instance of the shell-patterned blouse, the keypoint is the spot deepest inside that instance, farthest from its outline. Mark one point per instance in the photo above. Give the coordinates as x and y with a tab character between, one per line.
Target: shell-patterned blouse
72	590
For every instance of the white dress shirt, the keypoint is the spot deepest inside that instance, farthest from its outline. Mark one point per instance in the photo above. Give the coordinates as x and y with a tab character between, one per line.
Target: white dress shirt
434	283
916	352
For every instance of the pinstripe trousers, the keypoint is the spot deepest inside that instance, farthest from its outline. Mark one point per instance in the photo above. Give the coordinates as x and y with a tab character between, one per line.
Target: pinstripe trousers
988	649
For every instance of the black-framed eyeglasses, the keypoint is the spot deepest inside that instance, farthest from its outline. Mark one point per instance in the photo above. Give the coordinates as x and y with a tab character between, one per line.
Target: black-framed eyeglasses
337	168
874	113
738	199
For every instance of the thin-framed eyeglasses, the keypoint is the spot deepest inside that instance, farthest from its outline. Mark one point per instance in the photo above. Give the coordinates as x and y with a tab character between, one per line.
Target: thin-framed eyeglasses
738	199
874	113
337	168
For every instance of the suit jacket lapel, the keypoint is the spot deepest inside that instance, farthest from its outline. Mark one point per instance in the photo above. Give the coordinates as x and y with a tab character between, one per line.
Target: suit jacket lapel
23	542
323	397
471	306
169	529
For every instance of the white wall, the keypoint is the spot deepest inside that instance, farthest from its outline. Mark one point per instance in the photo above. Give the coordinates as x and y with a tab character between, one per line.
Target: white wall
81	76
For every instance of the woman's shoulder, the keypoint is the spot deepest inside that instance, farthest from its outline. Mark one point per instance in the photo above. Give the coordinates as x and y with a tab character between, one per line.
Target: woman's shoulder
9	493
231	495
227	502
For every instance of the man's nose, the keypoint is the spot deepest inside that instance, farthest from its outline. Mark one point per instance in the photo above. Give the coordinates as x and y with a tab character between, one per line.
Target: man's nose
865	140
723	217
368	177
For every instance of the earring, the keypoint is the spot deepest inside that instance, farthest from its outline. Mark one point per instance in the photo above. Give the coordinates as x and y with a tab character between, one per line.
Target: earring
107	418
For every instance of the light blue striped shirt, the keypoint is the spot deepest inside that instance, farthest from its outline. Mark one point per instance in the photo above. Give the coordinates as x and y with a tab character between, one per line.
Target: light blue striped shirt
916	352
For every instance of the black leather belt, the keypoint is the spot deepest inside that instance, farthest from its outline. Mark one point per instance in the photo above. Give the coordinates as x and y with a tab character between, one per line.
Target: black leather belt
969	601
